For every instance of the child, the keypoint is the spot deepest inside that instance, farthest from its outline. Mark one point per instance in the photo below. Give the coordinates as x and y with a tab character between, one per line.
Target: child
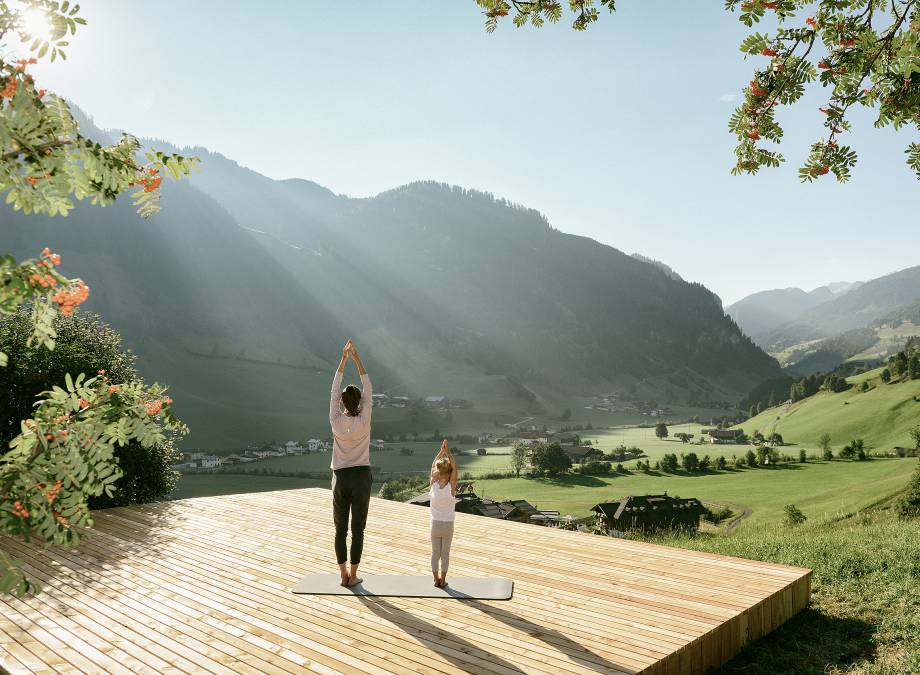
443	497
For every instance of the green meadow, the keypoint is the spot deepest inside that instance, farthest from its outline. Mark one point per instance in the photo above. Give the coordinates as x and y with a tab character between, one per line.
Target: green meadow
820	489
882	416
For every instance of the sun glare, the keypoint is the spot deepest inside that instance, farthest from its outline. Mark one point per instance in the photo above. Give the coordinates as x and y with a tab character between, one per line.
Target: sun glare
36	23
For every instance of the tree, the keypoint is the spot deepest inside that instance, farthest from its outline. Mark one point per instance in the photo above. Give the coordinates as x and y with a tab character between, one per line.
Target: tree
793	516
566	415
82	344
908	505
825	444
661	430
869	61
721	463
550	459
915	437
764	455
913	368
690	461
65	451
750	458
886	376
776	439
519	454
802	456
852	449
705	463
683	436
668	462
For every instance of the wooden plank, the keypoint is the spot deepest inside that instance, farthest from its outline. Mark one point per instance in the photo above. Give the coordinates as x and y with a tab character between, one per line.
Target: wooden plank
202	585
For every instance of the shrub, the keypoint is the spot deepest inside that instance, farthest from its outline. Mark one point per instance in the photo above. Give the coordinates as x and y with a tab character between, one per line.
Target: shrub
669	462
84	344
690	461
401	489
750	458
740	462
802	456
793	515
721	464
406	452
705	463
908	505
549	458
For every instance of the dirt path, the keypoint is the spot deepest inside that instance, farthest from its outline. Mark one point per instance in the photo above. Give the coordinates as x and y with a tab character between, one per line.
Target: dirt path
737	520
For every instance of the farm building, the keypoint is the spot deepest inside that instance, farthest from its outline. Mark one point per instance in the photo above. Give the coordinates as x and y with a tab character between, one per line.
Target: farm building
582	453
518	510
724	435
649	512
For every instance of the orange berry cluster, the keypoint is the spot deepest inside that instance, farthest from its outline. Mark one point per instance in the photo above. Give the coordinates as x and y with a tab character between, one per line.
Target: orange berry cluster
52	494
43	280
155	407
20	510
150	180
10	89
69	299
53	258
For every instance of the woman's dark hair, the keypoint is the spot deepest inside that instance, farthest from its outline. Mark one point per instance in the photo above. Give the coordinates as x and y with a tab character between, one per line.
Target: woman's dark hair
351	399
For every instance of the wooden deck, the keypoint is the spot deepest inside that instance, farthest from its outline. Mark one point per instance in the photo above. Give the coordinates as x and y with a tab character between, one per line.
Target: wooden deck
203	585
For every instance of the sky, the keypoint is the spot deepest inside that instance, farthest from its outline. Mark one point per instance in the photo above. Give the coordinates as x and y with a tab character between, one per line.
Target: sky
618	133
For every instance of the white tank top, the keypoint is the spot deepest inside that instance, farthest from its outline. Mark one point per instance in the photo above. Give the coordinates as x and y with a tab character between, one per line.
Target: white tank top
442	502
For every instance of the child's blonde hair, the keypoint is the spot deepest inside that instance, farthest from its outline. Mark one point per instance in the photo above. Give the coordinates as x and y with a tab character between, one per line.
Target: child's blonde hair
443	466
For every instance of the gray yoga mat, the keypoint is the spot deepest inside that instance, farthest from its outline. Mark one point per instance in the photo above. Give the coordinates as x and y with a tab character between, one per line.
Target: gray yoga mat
392	585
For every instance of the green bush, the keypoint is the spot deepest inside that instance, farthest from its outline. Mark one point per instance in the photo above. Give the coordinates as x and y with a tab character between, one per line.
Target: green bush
84	344
909	504
793	515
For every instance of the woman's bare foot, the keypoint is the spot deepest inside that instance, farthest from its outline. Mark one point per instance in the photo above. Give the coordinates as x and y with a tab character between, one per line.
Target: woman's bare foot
344	581
353	581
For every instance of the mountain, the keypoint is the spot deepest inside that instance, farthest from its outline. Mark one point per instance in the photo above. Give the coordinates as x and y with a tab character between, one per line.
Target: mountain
241	291
858	308
762	312
660	265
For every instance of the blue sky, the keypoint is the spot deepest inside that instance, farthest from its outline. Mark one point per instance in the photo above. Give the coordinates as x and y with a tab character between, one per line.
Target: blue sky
618	133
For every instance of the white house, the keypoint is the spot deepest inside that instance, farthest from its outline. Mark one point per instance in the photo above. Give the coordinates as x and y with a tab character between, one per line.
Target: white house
293	448
377	444
313	445
209	462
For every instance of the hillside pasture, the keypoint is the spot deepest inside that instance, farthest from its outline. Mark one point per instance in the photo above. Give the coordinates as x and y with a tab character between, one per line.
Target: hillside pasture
882	416
820	489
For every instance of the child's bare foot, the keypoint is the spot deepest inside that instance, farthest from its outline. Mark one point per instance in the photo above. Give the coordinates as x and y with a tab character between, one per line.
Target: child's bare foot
353	581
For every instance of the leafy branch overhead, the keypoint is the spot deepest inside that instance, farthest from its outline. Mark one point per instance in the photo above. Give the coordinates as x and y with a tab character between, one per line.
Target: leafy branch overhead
537	12
45	162
865	52
65	451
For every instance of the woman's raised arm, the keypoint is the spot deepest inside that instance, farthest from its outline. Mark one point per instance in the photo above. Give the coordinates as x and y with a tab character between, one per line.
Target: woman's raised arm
335	396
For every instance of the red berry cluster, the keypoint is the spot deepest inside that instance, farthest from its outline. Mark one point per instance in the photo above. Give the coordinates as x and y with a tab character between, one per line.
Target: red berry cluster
68	299
20	510
150	179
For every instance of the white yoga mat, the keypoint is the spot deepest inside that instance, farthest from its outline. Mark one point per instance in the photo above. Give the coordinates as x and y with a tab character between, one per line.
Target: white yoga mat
393	585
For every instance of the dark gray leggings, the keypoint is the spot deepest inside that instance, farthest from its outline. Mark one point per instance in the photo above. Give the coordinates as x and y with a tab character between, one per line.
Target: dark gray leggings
351	491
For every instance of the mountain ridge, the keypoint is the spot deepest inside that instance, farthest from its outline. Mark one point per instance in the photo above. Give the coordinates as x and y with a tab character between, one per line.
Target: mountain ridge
241	291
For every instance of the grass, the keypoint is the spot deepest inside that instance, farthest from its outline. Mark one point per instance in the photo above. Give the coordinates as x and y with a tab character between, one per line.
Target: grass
654	447
820	489
865	611
390	460
881	416
209	485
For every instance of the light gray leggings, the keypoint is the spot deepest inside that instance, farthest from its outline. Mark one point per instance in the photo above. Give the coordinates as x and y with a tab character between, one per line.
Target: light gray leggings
442	533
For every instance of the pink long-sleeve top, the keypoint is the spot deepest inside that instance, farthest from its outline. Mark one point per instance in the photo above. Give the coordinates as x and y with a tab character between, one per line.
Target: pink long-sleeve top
351	436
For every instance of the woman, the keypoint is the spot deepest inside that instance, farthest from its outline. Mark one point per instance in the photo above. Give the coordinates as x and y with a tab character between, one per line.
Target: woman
443	498
350	418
